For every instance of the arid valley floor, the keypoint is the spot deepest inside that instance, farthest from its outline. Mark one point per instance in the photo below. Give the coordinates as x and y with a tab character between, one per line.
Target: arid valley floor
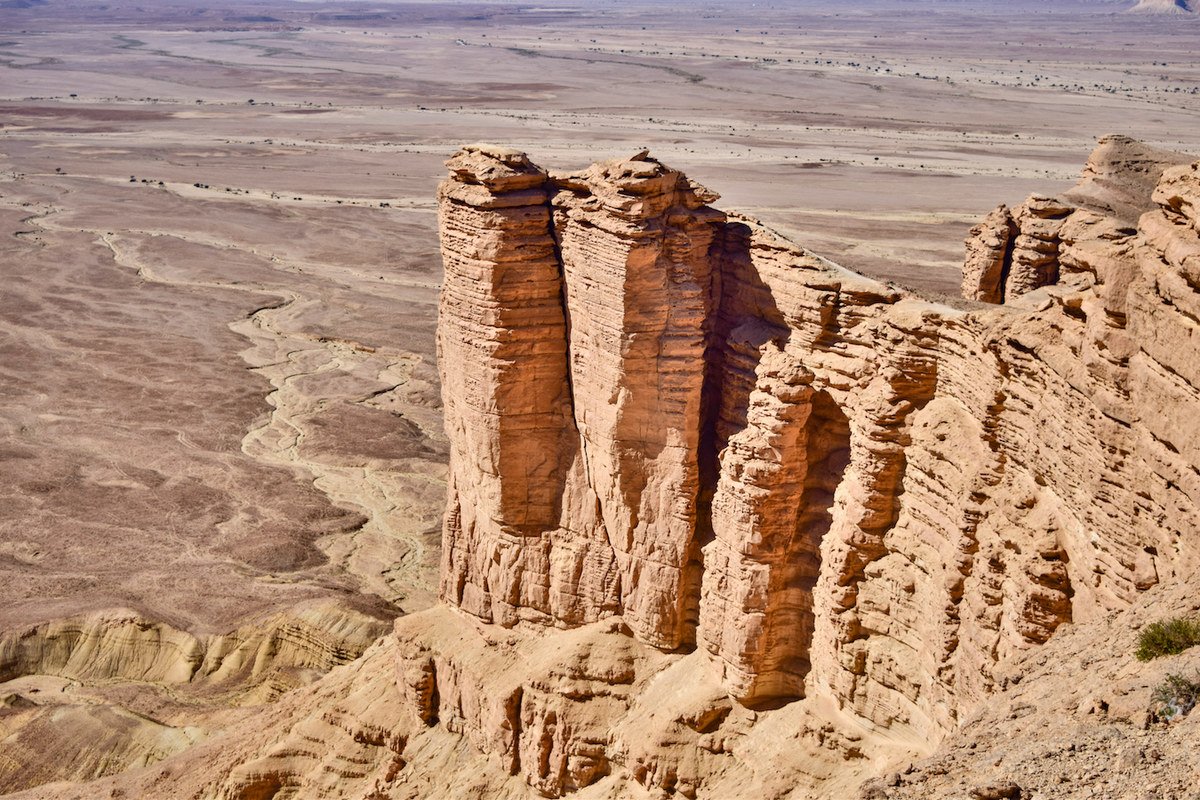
222	460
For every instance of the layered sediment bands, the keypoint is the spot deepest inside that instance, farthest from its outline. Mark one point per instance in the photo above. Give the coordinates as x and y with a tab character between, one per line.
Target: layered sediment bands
574	482
634	238
69	709
50	736
502	347
283	651
764	559
1120	177
844	495
1036	246
1013	252
545	706
988	256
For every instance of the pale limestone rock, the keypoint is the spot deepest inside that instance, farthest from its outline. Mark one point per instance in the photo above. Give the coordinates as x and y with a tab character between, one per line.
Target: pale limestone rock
544	705
1178	193
1120	176
1047	240
285	649
987	256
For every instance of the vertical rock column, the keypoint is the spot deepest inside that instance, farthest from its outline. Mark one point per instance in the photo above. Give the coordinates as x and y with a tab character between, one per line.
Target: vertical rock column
502	355
851	649
756	615
634	239
1011	253
1034	261
988	251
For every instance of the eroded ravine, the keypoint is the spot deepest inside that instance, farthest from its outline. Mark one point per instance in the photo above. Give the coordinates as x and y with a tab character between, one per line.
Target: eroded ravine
390	554
149	687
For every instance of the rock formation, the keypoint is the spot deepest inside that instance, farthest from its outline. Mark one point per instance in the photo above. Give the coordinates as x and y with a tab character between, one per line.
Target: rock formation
573	360
742	476
1013	252
1164	7
989	255
840	528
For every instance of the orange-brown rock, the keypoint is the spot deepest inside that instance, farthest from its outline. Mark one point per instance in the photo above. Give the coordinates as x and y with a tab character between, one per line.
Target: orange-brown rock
841	494
573	482
634	238
502	347
1047	239
906	523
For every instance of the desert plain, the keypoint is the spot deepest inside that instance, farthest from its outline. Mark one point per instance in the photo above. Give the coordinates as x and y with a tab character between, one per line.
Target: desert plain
222	460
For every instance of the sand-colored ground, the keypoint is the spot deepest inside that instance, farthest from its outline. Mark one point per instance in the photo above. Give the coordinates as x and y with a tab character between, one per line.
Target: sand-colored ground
219	271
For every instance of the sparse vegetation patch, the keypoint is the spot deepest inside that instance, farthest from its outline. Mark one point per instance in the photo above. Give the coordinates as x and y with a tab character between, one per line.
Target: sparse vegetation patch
1167	637
1174	697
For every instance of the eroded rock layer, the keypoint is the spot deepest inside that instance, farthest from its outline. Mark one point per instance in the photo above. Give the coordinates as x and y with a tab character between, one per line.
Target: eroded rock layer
671	427
1013	252
574	481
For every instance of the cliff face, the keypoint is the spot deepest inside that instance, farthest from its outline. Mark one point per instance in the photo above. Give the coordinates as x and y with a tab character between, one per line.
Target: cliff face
1012	252
573	357
748	476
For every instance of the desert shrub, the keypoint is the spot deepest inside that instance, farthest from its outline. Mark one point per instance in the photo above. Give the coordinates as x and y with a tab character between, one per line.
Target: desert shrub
1174	697
1167	637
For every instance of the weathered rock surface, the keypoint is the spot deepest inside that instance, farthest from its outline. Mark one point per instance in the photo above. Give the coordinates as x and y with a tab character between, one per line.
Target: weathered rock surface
902	525
835	491
988	256
65	716
1011	253
1072	719
1120	176
287	649
573	479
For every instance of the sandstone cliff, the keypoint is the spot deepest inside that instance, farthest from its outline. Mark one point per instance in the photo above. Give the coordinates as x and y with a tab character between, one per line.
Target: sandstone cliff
779	480
573	356
1012	252
840	528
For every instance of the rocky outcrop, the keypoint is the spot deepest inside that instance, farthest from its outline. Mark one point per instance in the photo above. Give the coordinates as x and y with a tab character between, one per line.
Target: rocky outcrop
263	658
1120	176
988	256
765	494
574	478
1046	240
502	341
1070	718
67	712
83	742
1035	247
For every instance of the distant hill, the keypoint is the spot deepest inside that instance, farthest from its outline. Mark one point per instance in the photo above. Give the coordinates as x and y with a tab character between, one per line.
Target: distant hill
1166	6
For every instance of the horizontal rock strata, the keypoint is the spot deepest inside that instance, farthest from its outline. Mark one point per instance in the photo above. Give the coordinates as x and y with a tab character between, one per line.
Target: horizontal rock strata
1013	252
678	433
273	654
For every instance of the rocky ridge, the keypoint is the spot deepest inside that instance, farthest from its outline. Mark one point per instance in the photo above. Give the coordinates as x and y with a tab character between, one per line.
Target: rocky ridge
846	533
1012	252
672	419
